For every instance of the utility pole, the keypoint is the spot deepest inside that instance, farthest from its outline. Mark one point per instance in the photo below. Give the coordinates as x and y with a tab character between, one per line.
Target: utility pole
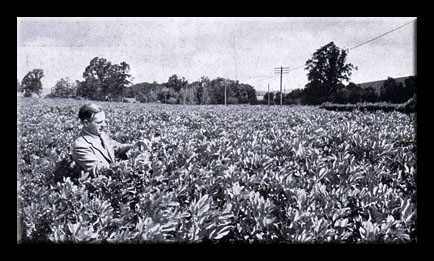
225	93
281	70
268	94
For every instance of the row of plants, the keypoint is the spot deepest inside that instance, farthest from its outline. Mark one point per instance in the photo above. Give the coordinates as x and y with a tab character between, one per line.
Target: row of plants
221	174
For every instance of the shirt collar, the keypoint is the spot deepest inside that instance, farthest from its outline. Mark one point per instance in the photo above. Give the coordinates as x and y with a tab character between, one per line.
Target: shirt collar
86	132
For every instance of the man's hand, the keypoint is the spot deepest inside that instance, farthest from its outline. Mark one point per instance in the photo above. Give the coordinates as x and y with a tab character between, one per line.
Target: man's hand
128	146
121	150
124	147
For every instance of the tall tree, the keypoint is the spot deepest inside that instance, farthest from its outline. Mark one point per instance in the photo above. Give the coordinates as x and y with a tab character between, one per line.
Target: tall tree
177	83
251	93
118	80
202	93
187	95
64	89
32	81
94	76
217	91
104	80
327	69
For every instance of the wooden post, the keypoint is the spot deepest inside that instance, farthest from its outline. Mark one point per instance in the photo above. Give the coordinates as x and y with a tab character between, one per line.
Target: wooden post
225	93
281	72
268	94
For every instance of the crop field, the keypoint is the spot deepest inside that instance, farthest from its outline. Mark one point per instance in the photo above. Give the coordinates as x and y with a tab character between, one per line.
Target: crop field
219	174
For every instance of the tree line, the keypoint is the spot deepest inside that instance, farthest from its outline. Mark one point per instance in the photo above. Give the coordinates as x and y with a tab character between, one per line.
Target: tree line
327	71
177	90
391	91
104	81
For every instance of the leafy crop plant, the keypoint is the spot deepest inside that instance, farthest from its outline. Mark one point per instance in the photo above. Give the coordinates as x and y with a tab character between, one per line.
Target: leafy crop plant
220	174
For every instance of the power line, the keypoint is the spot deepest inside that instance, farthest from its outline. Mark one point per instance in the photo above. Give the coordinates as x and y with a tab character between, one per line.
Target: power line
296	68
381	35
375	38
265	78
356	46
260	76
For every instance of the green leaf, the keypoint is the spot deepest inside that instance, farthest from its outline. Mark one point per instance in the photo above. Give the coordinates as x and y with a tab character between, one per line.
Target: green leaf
407	211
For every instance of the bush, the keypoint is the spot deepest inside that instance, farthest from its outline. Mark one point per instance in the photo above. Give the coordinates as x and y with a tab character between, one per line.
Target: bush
407	107
172	100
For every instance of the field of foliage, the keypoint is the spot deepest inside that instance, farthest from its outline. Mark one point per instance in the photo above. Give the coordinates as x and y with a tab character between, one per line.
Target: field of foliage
238	173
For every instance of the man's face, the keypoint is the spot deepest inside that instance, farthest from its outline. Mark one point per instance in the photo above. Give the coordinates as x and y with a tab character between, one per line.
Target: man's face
96	124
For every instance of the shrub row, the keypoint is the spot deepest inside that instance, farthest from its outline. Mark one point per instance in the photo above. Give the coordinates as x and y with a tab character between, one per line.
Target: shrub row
407	107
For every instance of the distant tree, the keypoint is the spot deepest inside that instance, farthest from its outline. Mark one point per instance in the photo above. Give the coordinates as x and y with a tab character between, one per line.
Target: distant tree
32	81
163	95
187	95
369	95
64	89
355	93
251	94
178	90
128	92
153	96
173	96
141	97
118	79
143	89
271	97
176	83
237	93
203	91
104	80
94	76
393	92
294	97
245	93
295	94
88	89
327	69
410	87
314	93
216	91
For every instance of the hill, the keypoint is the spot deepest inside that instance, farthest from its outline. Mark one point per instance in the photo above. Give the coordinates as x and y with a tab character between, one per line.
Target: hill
378	84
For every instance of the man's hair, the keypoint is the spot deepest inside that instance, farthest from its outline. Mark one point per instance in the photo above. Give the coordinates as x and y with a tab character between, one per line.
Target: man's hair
88	110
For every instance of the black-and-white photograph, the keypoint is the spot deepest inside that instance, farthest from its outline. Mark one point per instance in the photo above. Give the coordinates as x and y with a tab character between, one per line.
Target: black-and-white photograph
216	130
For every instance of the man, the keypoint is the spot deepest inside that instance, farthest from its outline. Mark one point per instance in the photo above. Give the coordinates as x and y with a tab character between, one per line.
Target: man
93	149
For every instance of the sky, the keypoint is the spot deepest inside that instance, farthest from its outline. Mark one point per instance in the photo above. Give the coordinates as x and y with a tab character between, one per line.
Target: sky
246	49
